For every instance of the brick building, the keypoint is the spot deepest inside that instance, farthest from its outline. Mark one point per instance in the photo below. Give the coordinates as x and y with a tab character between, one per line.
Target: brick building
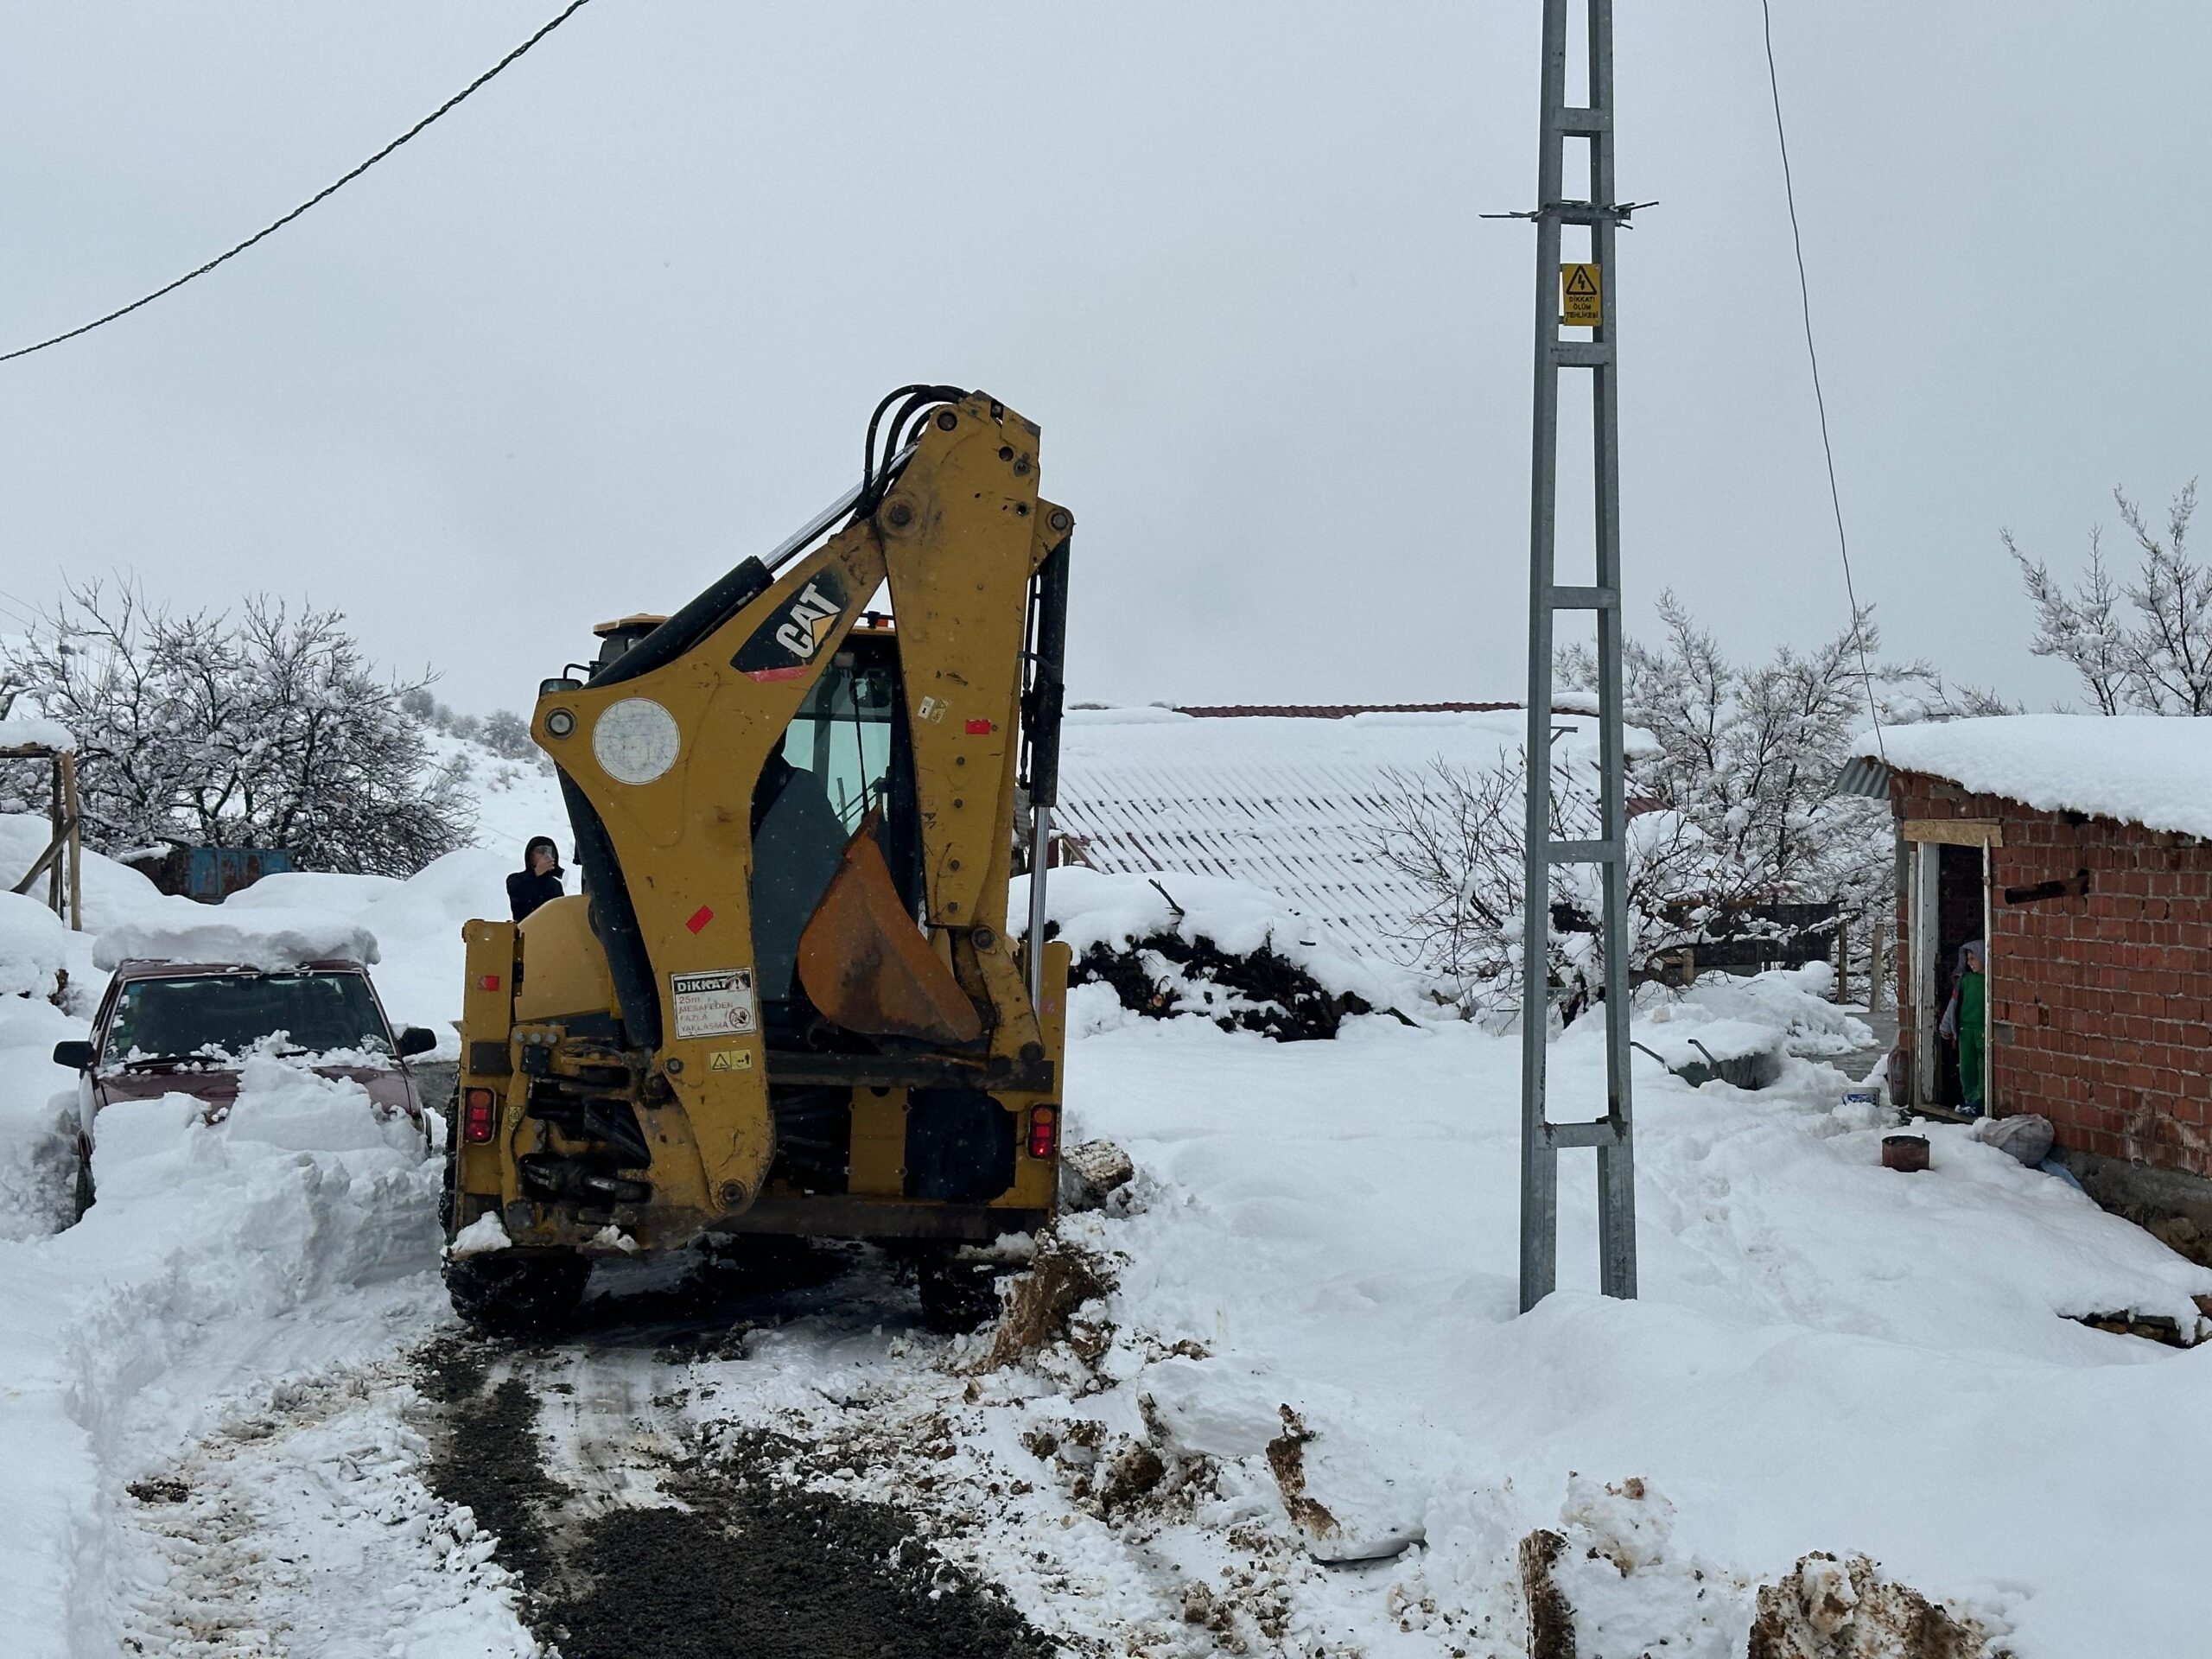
2081	849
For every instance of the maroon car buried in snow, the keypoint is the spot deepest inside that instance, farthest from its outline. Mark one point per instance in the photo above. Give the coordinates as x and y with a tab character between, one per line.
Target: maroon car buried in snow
184	1028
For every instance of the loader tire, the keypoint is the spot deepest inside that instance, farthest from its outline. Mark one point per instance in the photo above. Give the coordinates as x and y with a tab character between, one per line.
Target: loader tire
507	1294
445	1187
957	1295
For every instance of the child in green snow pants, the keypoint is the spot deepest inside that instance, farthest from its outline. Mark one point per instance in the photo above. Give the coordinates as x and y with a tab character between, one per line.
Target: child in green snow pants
1965	1020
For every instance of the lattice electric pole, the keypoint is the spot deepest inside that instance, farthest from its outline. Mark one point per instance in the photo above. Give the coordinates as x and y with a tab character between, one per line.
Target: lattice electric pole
1586	293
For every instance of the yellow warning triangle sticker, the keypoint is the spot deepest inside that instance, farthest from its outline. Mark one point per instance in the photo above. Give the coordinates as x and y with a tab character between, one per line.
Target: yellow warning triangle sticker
1578	281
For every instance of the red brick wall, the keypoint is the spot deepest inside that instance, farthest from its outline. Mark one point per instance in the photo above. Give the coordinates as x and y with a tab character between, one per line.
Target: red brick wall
2100	1008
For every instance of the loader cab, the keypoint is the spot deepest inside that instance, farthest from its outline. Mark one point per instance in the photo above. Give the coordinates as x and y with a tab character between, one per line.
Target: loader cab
845	756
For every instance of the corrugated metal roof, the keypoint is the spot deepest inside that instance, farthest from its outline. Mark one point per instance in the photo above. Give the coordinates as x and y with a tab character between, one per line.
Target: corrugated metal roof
1863	775
1333	710
1295	803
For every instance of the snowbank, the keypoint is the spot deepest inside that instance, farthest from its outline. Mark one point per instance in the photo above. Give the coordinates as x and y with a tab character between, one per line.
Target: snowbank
113	891
418	924
2136	768
285	1237
1784	1008
35	947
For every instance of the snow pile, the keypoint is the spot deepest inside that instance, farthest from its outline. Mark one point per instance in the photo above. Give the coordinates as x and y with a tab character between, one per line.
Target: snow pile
1177	943
294	1233
1782	1010
2142	769
35	947
38	1119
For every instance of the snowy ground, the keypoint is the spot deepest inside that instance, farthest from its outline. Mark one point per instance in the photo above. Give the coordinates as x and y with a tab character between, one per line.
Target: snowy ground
221	1437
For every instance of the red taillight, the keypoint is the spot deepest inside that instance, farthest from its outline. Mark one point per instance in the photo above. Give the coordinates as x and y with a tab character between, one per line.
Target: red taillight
480	1115
490	981
1044	1131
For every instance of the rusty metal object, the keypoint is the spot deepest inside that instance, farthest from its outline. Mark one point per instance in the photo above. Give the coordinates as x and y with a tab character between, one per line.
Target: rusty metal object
865	965
1905	1151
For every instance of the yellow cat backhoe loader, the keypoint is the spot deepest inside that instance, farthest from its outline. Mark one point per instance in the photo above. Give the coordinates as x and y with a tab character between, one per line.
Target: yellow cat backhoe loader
785	1001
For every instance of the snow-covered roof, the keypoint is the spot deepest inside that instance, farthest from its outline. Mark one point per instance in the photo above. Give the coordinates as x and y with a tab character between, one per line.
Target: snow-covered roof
2142	769
1286	803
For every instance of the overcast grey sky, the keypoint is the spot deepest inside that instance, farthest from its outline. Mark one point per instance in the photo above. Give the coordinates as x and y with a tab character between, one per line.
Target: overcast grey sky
618	322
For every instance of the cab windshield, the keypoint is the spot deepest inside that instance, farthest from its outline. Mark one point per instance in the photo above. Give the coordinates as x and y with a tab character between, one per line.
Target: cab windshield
218	1016
843	754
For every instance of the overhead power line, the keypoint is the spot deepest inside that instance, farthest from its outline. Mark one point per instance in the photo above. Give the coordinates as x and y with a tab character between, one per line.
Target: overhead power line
324	194
1805	305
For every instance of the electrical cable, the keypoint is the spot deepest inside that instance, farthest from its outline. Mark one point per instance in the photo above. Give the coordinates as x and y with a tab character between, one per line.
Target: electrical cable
328	191
1805	304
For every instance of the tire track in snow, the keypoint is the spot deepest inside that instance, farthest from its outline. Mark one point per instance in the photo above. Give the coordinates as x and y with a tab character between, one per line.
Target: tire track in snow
303	1528
635	1527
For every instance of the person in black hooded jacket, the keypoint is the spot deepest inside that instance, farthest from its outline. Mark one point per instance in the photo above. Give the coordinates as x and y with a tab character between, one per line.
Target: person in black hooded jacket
538	879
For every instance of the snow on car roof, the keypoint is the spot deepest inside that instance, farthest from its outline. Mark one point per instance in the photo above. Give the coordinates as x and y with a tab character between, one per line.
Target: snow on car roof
2147	769
265	938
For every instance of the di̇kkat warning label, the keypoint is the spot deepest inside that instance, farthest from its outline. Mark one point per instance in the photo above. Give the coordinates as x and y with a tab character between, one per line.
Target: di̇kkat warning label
717	1004
1581	296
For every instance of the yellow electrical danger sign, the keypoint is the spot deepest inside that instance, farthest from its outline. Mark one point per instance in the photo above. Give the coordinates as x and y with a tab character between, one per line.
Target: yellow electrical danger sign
1581	297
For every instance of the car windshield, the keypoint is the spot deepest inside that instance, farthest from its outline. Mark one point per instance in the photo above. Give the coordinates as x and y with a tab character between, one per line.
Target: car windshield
218	1015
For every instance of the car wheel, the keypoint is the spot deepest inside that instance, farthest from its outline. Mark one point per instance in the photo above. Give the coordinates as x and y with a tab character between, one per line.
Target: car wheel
84	1195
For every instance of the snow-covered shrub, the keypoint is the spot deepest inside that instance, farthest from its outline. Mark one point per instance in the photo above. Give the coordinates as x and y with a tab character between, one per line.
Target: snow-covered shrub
507	735
269	727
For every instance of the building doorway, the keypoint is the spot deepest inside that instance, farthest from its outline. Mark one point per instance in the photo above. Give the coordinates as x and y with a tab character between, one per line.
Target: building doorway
1947	905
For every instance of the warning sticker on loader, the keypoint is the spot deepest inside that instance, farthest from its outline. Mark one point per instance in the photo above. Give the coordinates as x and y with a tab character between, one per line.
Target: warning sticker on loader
718	1004
1581	297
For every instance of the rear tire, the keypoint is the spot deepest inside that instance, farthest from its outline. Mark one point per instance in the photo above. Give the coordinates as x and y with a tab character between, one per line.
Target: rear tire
508	1293
445	1192
958	1295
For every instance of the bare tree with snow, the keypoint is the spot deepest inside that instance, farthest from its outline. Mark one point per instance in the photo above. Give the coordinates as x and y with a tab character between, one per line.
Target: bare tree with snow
1458	835
269	728
1735	807
2144	645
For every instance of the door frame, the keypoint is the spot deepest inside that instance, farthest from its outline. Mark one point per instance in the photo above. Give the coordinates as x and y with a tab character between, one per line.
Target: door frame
1927	838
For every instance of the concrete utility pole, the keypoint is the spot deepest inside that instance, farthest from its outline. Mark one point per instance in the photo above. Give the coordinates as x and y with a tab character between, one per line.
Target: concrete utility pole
1578	295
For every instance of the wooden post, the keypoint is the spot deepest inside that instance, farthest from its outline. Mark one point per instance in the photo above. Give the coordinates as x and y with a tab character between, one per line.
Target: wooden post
1874	970
76	841
1842	961
60	832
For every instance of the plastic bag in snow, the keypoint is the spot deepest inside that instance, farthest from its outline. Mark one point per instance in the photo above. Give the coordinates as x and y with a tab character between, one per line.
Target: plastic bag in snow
2026	1137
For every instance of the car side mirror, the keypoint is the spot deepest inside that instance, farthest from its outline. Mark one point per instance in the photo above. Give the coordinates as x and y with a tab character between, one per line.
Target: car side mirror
413	1040
78	1057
